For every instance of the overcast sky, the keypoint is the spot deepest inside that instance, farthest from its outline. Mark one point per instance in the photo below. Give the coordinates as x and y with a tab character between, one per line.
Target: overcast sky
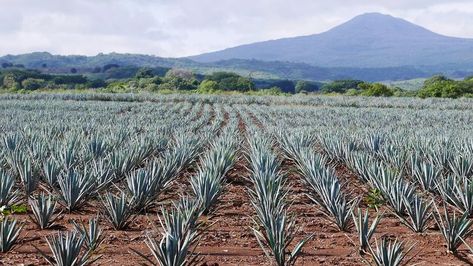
186	27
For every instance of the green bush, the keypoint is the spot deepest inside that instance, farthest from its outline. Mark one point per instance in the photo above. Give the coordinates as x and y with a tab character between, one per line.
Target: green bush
341	86
441	86
375	89
208	86
32	84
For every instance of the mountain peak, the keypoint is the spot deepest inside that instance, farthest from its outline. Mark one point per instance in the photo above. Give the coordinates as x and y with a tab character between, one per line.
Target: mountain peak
374	16
368	40
377	24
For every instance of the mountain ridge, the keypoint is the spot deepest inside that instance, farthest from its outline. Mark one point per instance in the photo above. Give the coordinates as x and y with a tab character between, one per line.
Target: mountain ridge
368	40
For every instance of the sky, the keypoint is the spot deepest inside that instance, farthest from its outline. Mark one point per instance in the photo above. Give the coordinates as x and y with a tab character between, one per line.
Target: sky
176	28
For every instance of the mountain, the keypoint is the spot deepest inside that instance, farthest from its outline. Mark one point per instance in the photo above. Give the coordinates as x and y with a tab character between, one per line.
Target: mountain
370	47
371	40
129	64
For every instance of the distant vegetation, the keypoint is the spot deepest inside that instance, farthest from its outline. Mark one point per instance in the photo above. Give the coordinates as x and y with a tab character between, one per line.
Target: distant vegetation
119	66
113	78
441	86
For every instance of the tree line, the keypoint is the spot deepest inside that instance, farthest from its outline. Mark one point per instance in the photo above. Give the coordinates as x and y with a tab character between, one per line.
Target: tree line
126	79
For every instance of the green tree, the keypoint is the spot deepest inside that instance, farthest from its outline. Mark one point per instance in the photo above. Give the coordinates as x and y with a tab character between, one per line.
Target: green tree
178	79
439	86
32	84
341	86
375	89
231	82
208	86
144	72
305	86
11	81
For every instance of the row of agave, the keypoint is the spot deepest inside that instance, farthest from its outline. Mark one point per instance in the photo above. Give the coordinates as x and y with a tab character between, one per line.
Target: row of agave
180	226
325	190
79	167
413	155
300	100
143	187
274	228
400	183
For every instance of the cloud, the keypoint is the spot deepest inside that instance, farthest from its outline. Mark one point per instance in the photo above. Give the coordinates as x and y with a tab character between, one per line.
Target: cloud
186	27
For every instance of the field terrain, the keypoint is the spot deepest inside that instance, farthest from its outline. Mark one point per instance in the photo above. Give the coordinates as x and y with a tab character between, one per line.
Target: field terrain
220	176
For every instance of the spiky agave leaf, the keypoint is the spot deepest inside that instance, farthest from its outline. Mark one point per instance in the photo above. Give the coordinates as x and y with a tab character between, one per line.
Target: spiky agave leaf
28	176
178	238
76	188
117	210
326	192
51	172
453	228
9	233
66	250
458	191
43	208
97	147
207	189
399	195
426	174
461	166
365	231
389	253
275	236
142	189
8	196
91	232
419	214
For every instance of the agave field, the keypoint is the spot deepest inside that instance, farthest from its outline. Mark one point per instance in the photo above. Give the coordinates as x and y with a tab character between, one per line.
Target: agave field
122	179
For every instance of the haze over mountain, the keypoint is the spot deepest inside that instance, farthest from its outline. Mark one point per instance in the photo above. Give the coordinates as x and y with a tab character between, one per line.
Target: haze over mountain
370	40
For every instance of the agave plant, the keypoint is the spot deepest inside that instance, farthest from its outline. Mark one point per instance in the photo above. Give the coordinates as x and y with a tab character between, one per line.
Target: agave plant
43	208
373	143
92	233
292	145
179	236
76	189
8	195
122	162
145	185
219	160
458	191
97	147
103	174
395	157
389	253
51	172
68	153
419	214
9	233
365	231
118	211
207	189
12	141
426	174
66	250
462	166
274	228
382	177
326	192
453	228
276	234
28	176
399	195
